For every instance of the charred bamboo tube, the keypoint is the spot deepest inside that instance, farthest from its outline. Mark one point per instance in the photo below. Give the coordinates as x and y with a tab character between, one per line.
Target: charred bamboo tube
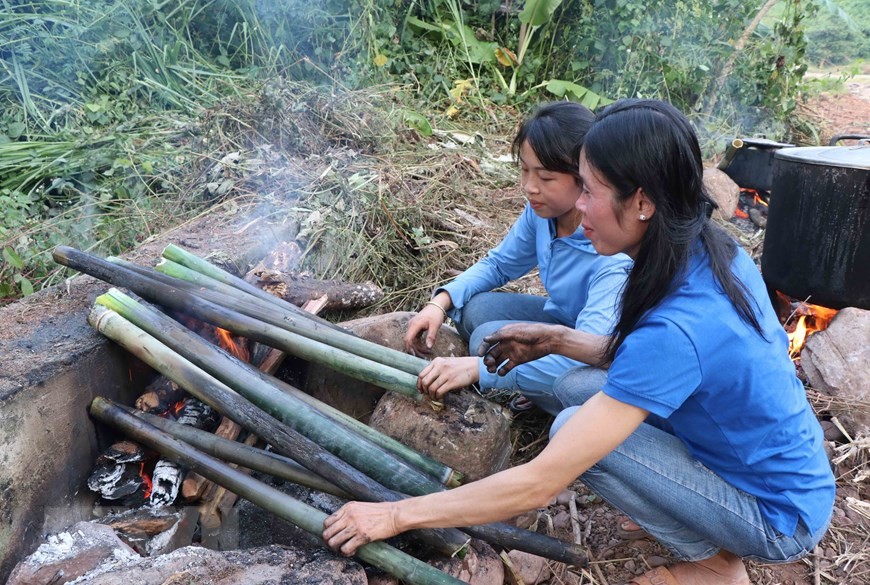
183	300
362	487
232	405
357	450
291	321
380	554
241	454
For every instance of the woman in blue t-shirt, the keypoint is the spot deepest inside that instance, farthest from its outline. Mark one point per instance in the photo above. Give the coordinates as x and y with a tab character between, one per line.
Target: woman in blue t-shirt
702	434
582	286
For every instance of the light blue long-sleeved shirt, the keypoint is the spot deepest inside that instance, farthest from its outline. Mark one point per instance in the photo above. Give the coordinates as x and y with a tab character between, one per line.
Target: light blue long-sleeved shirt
583	289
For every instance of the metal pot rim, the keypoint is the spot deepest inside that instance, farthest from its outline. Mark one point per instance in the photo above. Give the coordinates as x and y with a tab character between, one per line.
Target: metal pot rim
852	157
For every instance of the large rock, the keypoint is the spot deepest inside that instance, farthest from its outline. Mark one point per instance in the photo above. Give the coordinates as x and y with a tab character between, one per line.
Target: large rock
356	398
471	434
68	555
837	362
480	566
723	190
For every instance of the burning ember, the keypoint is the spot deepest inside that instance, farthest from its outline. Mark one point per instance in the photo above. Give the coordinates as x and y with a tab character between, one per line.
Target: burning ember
146	479
804	320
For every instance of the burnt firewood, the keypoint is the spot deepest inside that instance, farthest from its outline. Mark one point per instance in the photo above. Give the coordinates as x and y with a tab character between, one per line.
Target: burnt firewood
166	481
168	476
159	396
299	288
116	474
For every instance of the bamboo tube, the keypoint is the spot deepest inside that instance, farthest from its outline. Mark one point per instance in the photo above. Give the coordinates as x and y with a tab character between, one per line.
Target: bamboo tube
230	404
343	435
379	554
443	473
195	263
241	454
361	486
193	304
280	317
357	450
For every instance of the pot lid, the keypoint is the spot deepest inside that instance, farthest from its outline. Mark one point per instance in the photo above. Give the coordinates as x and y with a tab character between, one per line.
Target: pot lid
852	157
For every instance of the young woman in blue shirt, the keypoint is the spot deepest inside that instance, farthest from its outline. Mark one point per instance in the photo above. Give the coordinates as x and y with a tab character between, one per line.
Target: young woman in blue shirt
702	433
582	286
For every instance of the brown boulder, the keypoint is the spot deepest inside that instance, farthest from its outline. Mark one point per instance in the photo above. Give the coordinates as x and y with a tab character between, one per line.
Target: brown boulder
837	362
480	566
724	191
69	555
471	434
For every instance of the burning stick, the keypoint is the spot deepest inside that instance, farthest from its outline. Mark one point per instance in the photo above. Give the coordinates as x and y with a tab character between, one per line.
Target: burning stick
382	555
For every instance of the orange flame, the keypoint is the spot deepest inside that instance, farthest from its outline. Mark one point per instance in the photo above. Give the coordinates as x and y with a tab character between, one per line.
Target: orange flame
740	213
146	480
758	200
226	341
810	319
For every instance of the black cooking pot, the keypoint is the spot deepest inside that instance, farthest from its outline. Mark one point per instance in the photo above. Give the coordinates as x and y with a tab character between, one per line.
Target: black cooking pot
817	242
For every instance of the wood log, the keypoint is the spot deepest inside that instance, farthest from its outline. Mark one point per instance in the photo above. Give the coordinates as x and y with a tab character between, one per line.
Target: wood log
159	396
298	288
310	519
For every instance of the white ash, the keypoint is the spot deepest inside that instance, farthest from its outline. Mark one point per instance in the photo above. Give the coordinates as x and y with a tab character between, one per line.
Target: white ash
166	481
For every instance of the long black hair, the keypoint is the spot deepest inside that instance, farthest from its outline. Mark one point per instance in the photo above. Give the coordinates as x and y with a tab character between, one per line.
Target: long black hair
555	131
649	144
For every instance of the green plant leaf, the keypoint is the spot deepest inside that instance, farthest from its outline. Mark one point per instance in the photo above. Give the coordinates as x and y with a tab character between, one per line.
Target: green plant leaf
12	258
418	122
26	285
538	12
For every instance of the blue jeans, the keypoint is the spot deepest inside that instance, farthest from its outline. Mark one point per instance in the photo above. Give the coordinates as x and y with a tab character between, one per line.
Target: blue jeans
653	479
487	312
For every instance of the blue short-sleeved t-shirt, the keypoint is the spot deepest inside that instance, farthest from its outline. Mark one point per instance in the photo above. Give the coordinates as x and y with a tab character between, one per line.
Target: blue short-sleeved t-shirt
730	394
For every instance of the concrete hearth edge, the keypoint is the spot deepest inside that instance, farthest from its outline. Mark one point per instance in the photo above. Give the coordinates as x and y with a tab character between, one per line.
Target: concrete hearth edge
52	364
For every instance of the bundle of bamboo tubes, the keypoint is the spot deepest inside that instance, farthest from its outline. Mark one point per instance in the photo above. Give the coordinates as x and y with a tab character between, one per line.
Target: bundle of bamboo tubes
319	446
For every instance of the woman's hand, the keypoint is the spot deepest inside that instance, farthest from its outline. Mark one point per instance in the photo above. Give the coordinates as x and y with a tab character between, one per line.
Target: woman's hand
359	523
444	375
427	321
519	343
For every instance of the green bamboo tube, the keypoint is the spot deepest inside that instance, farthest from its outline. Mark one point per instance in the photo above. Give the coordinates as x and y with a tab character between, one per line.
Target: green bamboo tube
182	299
241	454
277	315
194	262
229	403
379	554
357	450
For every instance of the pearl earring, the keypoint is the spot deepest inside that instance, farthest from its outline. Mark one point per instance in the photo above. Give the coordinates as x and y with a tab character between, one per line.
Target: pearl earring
642	217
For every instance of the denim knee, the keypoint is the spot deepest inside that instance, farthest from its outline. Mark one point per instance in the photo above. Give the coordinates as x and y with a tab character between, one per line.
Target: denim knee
578	385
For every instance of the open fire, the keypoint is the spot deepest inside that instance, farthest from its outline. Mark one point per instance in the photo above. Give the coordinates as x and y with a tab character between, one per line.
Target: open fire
804	320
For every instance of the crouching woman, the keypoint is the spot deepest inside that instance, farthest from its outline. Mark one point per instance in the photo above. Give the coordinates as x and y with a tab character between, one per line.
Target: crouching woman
702	434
